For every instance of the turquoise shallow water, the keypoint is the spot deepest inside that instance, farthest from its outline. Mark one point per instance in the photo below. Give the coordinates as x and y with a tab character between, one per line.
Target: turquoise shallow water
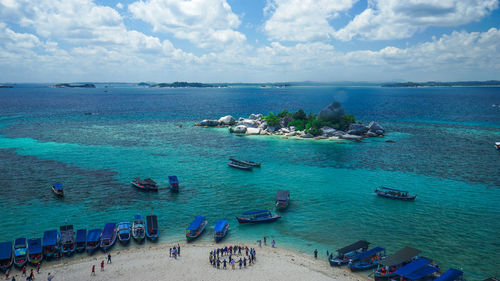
443	151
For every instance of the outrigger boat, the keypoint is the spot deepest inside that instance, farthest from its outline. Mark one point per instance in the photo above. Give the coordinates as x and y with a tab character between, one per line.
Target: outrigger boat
246	162
58	189
348	253
195	229
50	243
497	145
367	260
146	184
174	183
6	256
258	216
138	228
282	198
35	253
394	193
452	275
81	240
419	269
152	231
240	166
108	237
20	252
93	240
388	266
124	232
220	230
67	239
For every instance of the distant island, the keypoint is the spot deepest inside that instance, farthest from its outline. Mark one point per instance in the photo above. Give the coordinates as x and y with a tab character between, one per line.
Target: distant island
66	85
441	84
6	86
182	85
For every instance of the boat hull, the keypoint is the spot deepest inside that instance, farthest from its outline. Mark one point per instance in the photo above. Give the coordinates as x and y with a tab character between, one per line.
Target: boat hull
404	198
191	237
241	167
59	193
35	260
124	240
20	261
362	266
247	220
68	251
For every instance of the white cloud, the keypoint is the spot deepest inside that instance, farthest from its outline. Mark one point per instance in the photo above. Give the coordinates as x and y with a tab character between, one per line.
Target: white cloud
395	19
302	20
119	5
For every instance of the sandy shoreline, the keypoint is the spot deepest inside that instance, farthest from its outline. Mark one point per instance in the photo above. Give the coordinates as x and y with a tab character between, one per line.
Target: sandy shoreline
152	262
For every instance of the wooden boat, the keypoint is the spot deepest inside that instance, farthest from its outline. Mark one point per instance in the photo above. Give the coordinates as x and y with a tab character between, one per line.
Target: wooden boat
418	269
394	193
497	145
282	198
138	228
67	239
93	240
35	252
50	243
246	162
145	185
240	166
20	252
108	237
58	189
81	240
348	253
6	256
174	183
387	267
195	229
367	260
124	232
453	275
220	230
152	231
258	216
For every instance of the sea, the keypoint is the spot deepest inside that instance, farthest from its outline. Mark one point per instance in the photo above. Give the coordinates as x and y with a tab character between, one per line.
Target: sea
96	140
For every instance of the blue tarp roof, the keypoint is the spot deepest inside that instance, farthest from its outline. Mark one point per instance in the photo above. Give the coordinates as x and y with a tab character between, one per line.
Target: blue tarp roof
35	246
124	224
393	189
20	242
368	253
256	212
50	238
5	250
109	230
450	275
421	273
81	235
219	226
196	223
138	217
58	186
94	235
173	179
412	266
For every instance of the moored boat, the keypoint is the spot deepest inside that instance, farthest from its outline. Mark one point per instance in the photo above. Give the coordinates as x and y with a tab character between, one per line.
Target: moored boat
20	252
35	252
152	231
108	236
240	166
146	184
220	230
174	183
58	189
258	216
246	162
50	243
418	269
6	256
452	275
497	145
367	260
348	253
81	240
93	240
67	239
195	229
282	199
394	193
387	267
124	232
138	228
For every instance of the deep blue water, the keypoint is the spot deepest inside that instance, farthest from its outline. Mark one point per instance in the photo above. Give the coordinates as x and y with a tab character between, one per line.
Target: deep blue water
443	151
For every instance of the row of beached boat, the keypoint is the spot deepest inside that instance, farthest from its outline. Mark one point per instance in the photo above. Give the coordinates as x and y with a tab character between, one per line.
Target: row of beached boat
406	264
66	241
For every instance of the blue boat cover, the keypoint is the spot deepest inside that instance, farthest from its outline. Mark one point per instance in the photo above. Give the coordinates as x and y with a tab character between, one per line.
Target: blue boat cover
124	227
5	250
196	223
368	253
35	246
94	235
138	217
109	230
450	275
81	235
256	212
20	242
412	266
392	189
173	179
219	226
50	238
421	273
58	186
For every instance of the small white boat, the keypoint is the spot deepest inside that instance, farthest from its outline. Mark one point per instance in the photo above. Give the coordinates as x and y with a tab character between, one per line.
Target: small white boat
497	145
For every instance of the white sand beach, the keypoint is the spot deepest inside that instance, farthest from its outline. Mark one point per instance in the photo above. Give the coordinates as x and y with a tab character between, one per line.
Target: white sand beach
152	262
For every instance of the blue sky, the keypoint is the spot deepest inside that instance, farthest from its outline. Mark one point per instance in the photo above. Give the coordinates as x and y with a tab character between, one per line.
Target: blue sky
249	41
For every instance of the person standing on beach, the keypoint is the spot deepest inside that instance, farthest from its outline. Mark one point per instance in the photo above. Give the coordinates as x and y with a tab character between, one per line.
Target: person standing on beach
316	253
260	243
240	262
32	274
245	262
224	263
273	243
170	252
232	264
102	265
6	274
38	268
93	270
109	258
49	277
265	240
179	250
24	270
13	278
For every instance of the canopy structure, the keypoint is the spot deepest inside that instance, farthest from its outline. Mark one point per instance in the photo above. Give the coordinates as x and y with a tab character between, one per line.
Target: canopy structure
67	234
94	235
196	223
361	244
109	230
412	266
256	212
20	242
393	189
58	186
369	253
5	250
152	222
81	235
173	179
282	195
421	273
50	238
403	255
124	226
450	275
219	226
35	246
138	218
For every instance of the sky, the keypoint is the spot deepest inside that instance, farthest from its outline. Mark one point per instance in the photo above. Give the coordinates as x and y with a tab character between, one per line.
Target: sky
249	40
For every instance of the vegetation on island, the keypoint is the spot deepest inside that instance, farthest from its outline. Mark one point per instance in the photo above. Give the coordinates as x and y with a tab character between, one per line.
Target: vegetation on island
442	84
182	85
67	85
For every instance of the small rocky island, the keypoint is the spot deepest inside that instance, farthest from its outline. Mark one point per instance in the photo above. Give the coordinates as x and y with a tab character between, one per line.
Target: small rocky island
330	123
66	85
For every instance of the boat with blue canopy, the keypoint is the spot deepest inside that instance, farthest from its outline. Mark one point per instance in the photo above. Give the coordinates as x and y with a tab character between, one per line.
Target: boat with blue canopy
20	252
367	260
124	232
81	240
258	216
393	193
348	253
58	189
418	269
451	275
389	265
93	240
108	237
195	229
282	198
174	183
138	228
220	230
6	256
152	230
35	253
50	243
67	239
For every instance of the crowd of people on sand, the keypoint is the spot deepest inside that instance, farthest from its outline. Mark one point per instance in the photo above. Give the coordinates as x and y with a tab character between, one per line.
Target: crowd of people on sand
175	251
31	275
234	256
